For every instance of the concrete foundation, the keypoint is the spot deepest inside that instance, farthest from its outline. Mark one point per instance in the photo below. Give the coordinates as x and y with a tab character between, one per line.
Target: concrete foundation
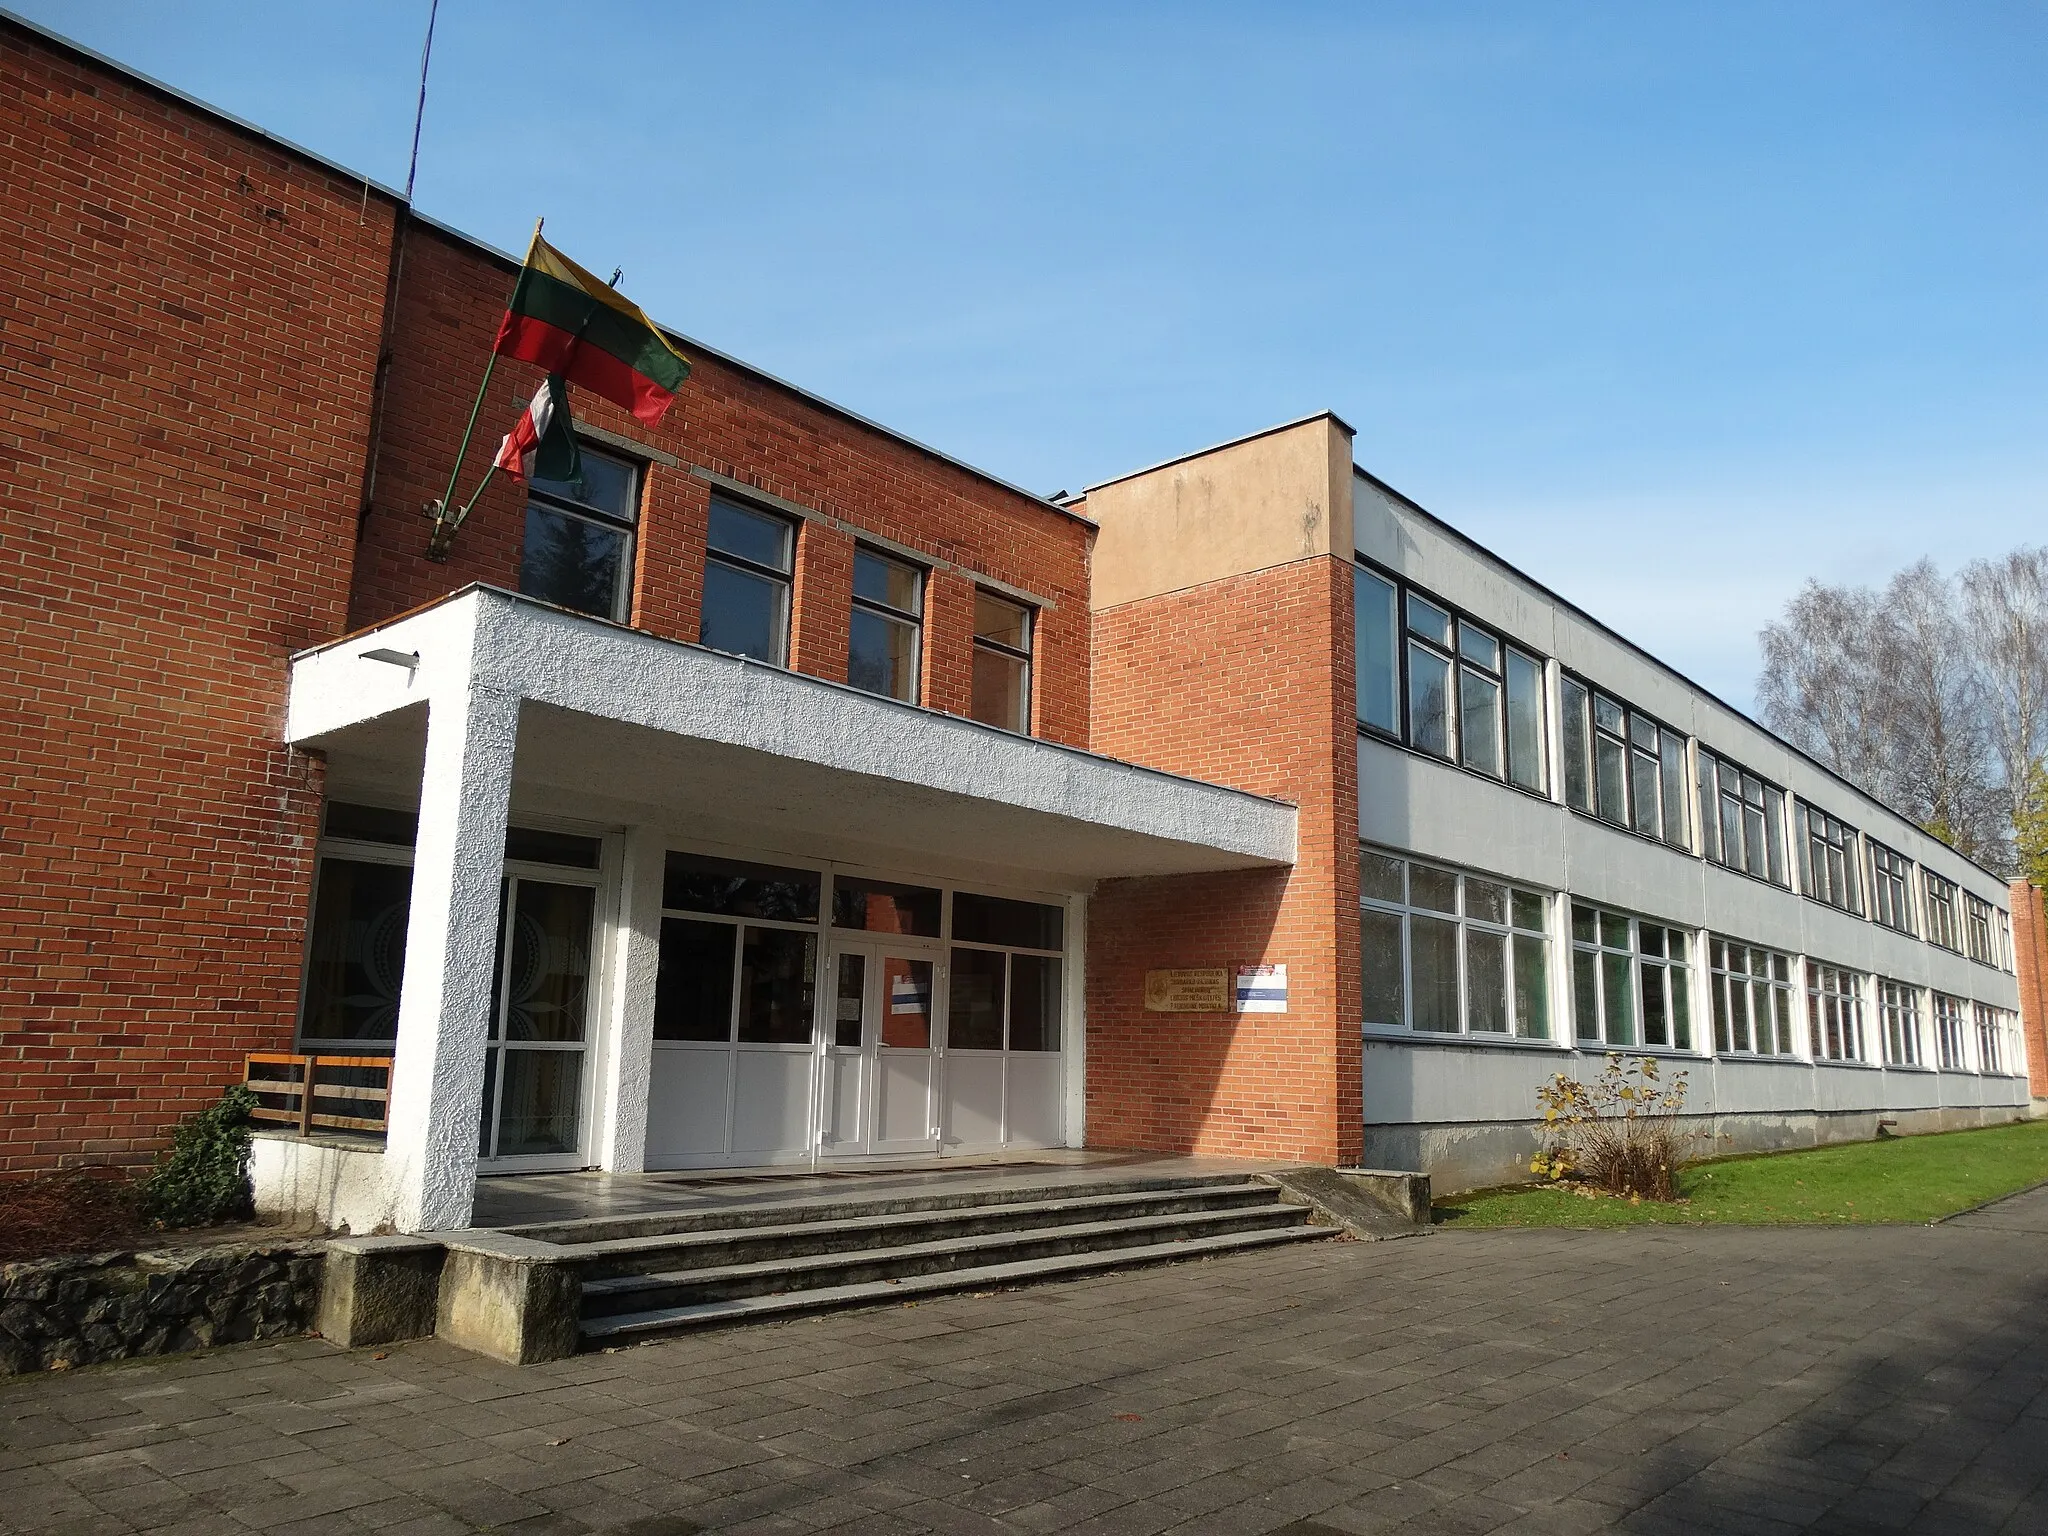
377	1290
1483	1154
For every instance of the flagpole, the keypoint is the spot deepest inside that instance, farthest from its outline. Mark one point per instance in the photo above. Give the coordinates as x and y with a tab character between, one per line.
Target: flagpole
444	529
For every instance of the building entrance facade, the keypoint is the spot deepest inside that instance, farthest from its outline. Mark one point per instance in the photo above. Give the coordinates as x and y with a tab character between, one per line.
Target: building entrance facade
815	1015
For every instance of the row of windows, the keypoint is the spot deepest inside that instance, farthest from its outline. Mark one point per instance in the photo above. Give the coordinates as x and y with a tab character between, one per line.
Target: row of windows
739	944
578	554
1445	952
1442	684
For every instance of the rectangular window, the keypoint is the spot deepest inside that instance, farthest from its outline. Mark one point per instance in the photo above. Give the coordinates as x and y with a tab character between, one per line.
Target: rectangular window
1002	663
1742	819
1446	685
1623	766
1631	980
1900	1006
1446	953
1948	1033
1990	1029
1373	601
1528	762
887	625
1752	999
1977	929
578	549
747	568
1944	925
1479	701
1891	901
1834	1012
1001	995
1828	859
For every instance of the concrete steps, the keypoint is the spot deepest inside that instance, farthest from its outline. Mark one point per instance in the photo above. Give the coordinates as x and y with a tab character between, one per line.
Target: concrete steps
650	1283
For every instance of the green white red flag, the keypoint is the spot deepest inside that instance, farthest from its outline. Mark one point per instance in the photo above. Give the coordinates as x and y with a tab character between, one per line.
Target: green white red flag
568	322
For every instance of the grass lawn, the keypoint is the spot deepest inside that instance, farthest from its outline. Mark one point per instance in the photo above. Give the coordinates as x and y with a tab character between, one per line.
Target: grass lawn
1911	1179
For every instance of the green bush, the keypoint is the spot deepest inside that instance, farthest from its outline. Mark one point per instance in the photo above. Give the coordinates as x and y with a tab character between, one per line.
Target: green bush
205	1175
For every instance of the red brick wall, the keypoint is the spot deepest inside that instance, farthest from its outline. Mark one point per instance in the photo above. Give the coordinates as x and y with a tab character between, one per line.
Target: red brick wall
2030	959
191	332
1239	682
735	424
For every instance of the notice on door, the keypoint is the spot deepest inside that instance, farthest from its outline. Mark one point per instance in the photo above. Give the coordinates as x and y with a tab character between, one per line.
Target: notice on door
1191	991
1262	989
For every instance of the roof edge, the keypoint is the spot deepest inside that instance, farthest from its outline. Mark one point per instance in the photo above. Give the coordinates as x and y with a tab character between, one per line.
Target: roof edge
1248	437
1669	670
185	99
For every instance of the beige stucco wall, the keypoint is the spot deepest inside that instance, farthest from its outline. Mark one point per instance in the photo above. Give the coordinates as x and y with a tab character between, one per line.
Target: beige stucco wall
1262	501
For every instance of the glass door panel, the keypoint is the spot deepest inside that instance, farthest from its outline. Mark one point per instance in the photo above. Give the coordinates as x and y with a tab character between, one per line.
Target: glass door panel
905	1064
540	1017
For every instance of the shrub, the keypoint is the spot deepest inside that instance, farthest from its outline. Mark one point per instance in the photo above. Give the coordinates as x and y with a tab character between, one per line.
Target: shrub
205	1175
1619	1133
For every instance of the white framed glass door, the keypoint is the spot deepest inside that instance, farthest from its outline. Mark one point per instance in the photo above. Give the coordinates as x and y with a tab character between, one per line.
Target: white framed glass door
880	1055
535	1073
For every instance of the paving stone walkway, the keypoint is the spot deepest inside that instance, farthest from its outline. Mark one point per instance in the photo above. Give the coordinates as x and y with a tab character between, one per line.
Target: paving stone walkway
1668	1380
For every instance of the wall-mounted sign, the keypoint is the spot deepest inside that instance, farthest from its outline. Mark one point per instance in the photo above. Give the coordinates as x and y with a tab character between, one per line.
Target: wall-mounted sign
1262	989
1188	991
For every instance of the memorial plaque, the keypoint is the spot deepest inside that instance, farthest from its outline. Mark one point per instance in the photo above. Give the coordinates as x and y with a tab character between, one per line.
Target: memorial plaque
1188	991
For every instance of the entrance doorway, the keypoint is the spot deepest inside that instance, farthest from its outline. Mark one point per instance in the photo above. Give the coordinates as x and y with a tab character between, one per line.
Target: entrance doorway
880	1059
535	1077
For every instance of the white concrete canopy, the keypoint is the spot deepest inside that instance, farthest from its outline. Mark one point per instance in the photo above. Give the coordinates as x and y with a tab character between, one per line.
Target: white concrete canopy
486	704
634	719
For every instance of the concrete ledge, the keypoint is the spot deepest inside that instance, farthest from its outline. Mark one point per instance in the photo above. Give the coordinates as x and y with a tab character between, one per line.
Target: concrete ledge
510	1298
378	1290
1368	1203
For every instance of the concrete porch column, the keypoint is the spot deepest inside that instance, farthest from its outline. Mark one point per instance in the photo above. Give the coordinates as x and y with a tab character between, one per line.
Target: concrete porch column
628	1060
437	1069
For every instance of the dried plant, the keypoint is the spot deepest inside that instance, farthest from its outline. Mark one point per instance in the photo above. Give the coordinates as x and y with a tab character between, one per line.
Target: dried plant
1619	1133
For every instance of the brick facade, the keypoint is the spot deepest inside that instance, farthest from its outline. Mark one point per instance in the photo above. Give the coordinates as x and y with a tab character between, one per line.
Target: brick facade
2030	959
191	317
194	315
735	424
1237	681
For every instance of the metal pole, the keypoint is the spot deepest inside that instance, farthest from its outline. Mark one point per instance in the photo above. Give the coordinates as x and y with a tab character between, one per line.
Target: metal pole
437	545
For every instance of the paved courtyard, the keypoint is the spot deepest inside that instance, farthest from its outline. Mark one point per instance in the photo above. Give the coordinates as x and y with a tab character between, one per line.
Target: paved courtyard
1667	1380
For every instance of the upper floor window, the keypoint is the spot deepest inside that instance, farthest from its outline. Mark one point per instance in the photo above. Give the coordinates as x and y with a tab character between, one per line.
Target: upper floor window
578	551
888	619
1827	859
1631	980
1470	696
1834	1012
1622	766
1900	1006
1752	998
1452	953
1891	901
747	568
1002	663
1944	925
1742	819
1948	1033
1977	929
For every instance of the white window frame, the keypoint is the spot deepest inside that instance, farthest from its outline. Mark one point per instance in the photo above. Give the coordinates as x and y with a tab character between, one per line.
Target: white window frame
1674	980
1516	937
1891	888
1943	909
1649	749
1834	878
1836	1002
1775	986
1898	1007
1754	802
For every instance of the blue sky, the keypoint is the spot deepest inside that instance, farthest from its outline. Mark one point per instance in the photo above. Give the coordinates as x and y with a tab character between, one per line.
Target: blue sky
1673	305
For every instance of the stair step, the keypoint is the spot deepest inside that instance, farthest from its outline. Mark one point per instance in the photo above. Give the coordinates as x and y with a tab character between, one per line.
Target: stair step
631	1326
768	1211
878	1264
729	1246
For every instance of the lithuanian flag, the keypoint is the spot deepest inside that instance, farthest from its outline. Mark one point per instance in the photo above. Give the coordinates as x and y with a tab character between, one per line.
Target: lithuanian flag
565	320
